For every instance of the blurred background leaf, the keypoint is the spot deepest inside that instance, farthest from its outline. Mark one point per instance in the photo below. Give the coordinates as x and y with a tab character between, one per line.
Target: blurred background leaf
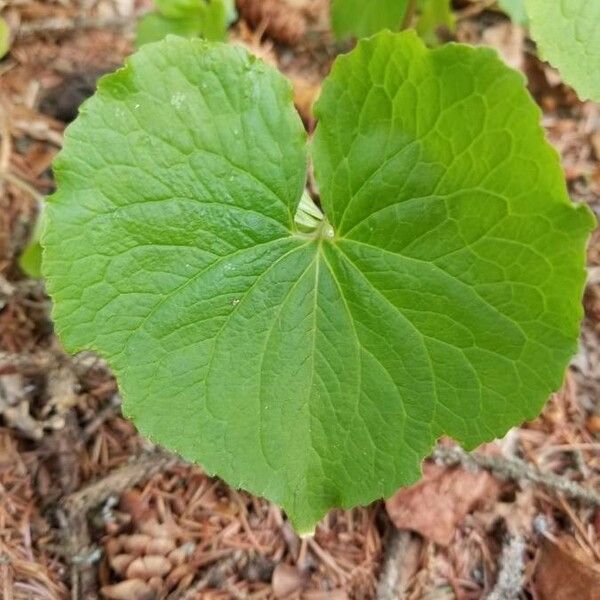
433	17
4	37
515	9
188	18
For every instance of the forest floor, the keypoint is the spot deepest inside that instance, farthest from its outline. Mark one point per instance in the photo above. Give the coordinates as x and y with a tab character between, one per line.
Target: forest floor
89	509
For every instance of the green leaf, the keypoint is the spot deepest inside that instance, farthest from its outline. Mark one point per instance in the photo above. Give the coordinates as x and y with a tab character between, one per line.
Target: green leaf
187	18
4	37
214	21
179	9
316	363
358	18
515	9
434	15
568	35
31	260
31	257
231	14
153	27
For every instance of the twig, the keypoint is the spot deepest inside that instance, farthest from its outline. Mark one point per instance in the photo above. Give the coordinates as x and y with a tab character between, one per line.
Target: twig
516	470
6	142
6	577
73	515
394	577
119	481
510	578
580	527
326	558
5	153
22	185
108	412
78	550
75	532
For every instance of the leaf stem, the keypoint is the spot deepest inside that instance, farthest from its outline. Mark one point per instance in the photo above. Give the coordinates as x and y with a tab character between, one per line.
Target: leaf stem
409	14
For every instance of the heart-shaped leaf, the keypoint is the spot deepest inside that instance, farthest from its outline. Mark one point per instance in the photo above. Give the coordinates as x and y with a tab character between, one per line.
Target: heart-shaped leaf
316	364
568	35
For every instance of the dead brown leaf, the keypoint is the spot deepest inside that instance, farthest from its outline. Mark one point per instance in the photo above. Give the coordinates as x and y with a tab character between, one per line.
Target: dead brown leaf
564	572
439	502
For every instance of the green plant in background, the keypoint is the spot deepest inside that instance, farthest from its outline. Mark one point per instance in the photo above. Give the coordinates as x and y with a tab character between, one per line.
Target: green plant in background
31	258
4	37
360	19
433	16
188	18
314	356
566	31
515	9
568	35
